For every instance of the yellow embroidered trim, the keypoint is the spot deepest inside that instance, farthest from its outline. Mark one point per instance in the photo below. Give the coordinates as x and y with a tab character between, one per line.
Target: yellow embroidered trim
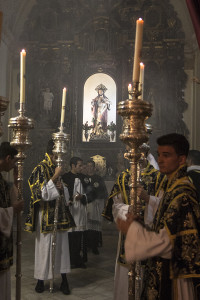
184	276
180	196
148	172
6	260
124	189
59	229
181	233
160	186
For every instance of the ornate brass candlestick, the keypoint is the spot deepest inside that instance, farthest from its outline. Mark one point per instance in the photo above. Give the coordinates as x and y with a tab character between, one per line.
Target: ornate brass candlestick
3	106
134	112
21	126
144	148
60	148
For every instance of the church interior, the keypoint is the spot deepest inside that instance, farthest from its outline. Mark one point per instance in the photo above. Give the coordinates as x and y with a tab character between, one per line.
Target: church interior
87	46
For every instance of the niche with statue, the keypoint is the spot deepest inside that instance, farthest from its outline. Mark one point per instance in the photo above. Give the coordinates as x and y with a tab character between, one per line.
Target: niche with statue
99	109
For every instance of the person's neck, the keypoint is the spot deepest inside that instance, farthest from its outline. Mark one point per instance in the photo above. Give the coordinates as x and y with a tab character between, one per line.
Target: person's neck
73	172
173	173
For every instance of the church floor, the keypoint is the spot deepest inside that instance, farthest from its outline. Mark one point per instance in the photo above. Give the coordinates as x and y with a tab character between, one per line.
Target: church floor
93	283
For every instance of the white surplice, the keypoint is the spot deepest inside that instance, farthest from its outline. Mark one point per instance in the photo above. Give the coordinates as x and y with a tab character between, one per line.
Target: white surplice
142	244
43	242
119	210
77	209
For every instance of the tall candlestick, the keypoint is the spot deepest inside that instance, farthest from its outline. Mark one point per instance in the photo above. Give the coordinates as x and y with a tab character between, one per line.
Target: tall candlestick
141	81
138	48
63	107
22	75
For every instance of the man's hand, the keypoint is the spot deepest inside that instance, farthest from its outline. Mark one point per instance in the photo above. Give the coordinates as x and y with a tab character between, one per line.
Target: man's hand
78	196
59	185
58	172
18	206
142	194
123	225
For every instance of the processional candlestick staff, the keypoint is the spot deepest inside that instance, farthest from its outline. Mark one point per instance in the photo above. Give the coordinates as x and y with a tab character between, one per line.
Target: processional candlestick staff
134	112
21	126
60	148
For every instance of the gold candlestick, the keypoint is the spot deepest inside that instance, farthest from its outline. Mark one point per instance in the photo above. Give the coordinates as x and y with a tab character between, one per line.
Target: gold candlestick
21	126
60	148
134	112
3	106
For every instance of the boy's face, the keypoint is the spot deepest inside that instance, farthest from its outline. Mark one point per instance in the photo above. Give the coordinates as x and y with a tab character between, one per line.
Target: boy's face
168	160
10	163
90	168
79	166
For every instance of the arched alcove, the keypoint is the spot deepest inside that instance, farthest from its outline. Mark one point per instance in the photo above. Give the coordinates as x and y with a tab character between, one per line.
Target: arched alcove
99	110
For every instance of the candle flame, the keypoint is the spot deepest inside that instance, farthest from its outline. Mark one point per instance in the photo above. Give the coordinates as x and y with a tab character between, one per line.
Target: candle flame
140	19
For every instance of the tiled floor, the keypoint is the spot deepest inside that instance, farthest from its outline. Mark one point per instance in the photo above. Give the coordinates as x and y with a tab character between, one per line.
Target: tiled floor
93	283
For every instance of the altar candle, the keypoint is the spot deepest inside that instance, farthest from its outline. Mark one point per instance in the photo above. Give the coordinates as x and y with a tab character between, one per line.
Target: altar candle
138	48
22	75
141	81
63	107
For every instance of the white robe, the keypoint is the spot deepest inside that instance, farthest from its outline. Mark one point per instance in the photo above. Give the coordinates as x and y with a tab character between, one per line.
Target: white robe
43	242
77	209
141	244
120	210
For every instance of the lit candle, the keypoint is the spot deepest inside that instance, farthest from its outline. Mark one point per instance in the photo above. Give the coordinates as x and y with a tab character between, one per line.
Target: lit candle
22	75
130	87
138	48
63	107
129	90
141	81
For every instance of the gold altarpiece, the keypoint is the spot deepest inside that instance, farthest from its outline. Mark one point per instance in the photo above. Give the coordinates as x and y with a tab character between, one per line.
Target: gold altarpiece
69	41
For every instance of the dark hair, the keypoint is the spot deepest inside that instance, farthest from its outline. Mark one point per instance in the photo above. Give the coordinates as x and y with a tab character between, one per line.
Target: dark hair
90	161
194	156
50	146
6	149
177	141
74	160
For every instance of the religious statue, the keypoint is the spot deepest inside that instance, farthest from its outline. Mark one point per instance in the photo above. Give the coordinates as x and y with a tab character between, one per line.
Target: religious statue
48	100
100	106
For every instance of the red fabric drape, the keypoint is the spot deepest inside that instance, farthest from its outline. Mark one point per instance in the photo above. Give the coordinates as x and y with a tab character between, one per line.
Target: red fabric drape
194	9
